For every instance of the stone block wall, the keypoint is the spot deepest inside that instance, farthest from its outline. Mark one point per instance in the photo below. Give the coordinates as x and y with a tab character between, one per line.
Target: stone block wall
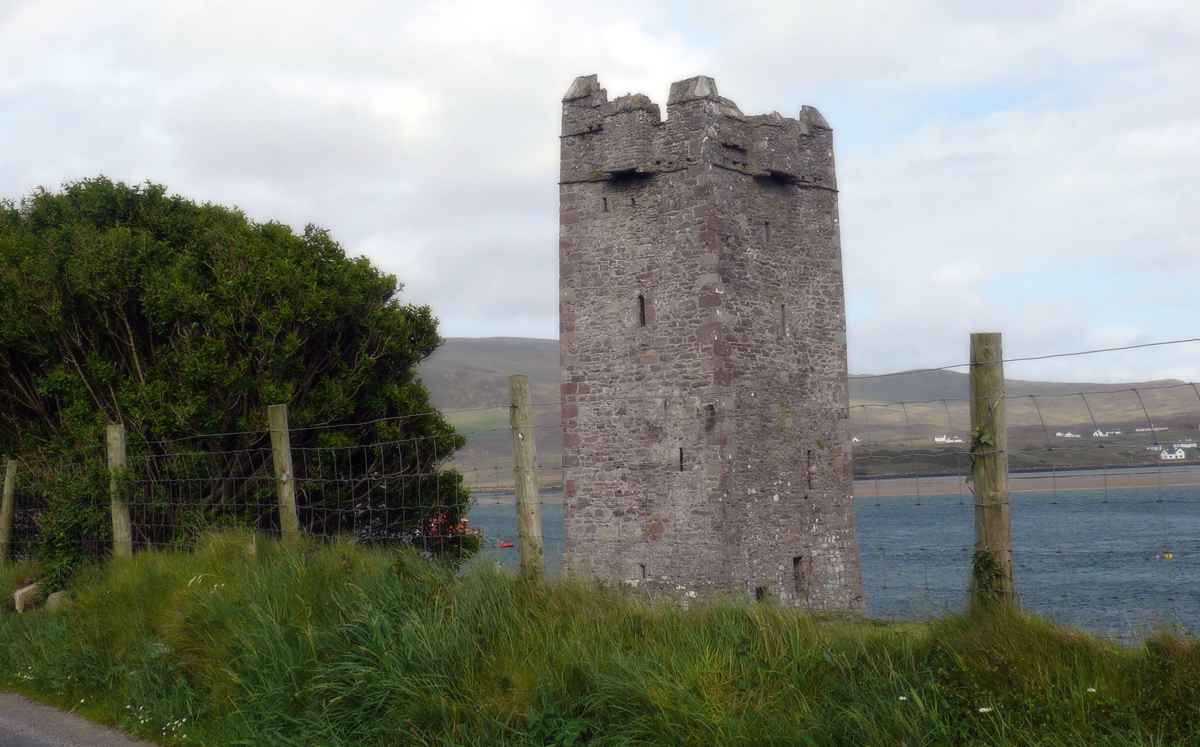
704	350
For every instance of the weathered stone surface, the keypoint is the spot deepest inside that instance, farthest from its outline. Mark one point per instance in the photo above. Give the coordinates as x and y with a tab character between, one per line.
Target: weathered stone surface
59	600
27	597
703	350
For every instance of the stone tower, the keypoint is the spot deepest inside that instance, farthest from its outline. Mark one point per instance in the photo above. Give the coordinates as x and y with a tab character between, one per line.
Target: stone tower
703	339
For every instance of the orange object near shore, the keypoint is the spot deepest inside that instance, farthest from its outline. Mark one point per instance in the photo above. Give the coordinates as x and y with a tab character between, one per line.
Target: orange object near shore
506	544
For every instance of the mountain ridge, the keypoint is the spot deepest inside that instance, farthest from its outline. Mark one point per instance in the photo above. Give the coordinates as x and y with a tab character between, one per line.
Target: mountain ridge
462	360
895	418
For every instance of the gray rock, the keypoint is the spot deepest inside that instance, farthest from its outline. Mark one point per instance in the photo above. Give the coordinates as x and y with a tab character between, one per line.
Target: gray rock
27	597
59	600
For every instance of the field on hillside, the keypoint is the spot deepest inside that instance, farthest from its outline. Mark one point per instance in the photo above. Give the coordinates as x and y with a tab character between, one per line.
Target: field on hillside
896	420
895	417
467	379
487	460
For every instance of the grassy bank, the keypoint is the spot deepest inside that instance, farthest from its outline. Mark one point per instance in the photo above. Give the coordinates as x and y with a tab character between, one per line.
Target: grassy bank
341	645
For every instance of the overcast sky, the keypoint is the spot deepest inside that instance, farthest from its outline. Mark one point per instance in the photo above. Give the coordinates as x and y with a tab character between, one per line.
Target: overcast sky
1031	167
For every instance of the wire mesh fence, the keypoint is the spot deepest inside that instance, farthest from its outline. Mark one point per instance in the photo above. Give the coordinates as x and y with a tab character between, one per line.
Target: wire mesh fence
386	490
71	488
1105	504
1105	500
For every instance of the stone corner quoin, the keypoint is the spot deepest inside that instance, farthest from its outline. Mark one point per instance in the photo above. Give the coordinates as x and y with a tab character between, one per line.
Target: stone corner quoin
703	338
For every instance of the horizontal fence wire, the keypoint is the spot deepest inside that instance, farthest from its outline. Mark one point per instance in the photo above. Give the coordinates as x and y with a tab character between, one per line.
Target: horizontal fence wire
174	491
1106	529
1105	505
44	487
1105	511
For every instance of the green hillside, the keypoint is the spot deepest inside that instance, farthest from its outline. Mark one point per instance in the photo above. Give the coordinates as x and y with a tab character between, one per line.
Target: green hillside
467	379
471	372
895	417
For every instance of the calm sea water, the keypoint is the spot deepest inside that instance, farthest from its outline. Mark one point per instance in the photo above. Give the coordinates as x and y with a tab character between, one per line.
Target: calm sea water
1091	558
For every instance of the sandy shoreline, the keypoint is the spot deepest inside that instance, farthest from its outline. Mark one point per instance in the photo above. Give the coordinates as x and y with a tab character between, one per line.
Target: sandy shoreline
550	496
897	487
1113	479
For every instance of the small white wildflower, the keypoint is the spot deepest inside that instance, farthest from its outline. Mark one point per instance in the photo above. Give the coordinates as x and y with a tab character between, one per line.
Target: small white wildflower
985	709
1091	689
903	698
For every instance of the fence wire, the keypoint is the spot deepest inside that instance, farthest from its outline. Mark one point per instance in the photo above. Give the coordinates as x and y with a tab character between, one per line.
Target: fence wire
1105	496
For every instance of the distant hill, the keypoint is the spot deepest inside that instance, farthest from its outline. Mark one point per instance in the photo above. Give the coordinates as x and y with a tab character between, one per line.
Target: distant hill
468	379
913	405
468	372
919	386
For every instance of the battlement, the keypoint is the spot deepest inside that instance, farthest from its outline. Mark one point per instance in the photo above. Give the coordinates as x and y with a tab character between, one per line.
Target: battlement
602	139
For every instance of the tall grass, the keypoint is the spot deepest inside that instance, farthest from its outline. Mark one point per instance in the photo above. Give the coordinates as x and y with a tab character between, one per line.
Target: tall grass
339	644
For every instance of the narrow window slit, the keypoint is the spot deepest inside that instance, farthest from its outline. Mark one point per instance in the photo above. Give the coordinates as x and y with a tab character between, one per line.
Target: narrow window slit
641	310
641	570
760	593
798	572
632	201
767	226
681	459
808	468
782	320
605	204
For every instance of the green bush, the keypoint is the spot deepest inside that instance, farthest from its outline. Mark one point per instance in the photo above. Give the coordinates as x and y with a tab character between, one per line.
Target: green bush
123	304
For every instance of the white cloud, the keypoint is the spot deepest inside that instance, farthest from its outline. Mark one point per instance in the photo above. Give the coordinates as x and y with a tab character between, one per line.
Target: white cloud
1028	166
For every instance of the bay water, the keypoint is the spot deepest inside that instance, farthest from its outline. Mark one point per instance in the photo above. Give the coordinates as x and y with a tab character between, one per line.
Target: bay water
1115	562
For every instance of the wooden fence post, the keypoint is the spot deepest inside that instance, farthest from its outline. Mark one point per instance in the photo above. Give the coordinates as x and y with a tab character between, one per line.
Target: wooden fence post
122	526
6	509
992	571
529	518
281	448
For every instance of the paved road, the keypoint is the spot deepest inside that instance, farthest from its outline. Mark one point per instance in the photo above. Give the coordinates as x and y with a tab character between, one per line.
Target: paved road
24	723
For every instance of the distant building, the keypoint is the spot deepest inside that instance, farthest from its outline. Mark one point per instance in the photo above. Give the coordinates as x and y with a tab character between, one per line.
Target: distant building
1177	454
1151	429
1067	434
947	440
1186	445
1099	433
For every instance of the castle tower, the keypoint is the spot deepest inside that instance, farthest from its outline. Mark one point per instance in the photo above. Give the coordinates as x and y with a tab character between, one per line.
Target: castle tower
703	338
